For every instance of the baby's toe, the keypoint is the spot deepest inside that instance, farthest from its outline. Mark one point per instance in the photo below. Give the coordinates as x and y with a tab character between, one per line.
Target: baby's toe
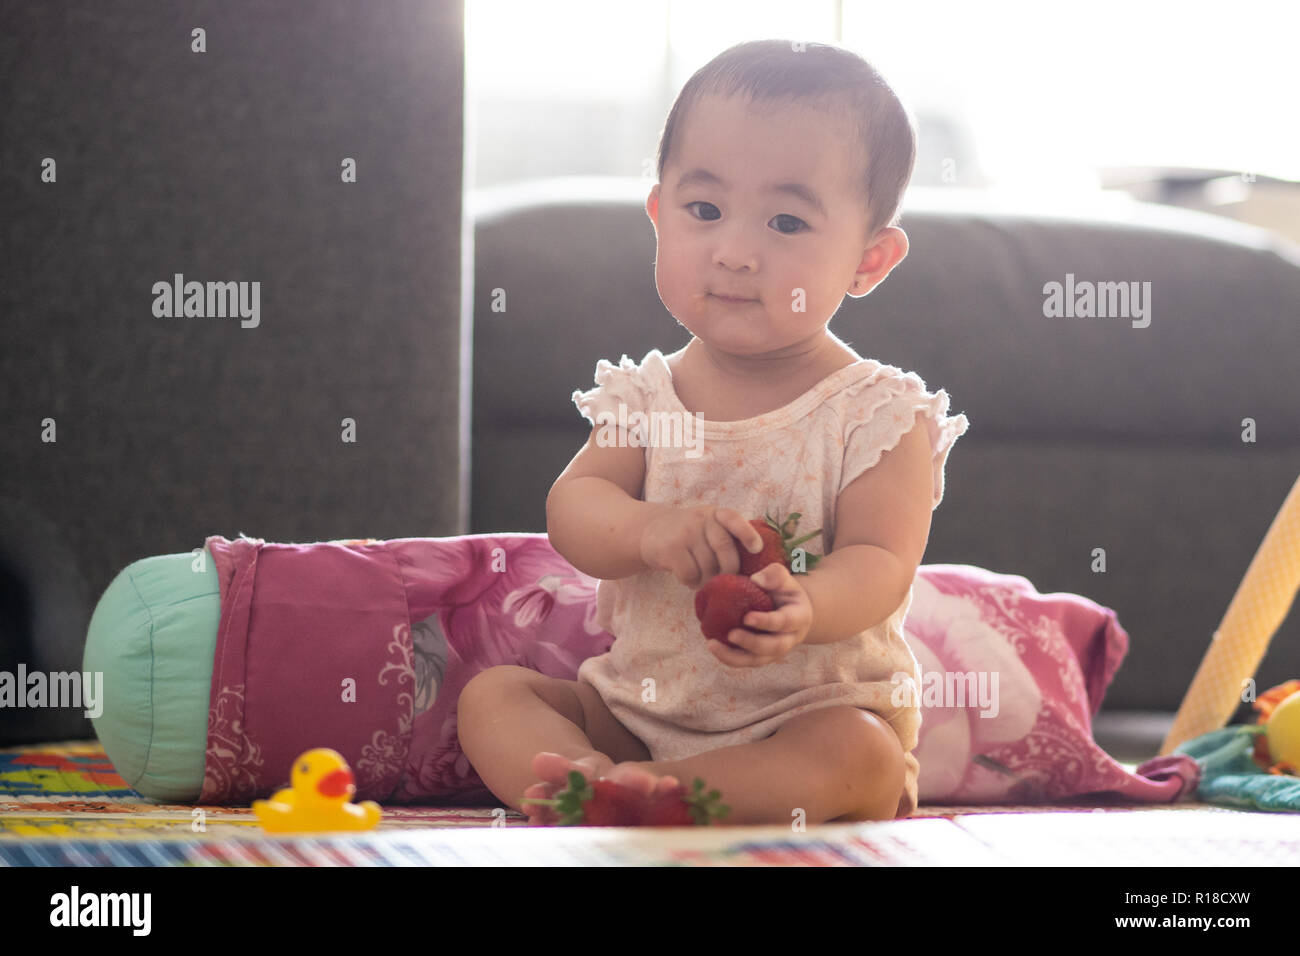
550	767
555	768
539	815
668	785
642	779
540	791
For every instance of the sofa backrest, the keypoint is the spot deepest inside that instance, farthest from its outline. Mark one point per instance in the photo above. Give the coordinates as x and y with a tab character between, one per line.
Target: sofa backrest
1090	439
129	432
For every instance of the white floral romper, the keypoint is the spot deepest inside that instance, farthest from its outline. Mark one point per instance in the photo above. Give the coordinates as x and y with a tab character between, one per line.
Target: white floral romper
659	679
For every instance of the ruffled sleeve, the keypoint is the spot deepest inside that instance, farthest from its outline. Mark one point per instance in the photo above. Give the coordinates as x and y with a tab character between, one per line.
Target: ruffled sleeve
880	410
621	391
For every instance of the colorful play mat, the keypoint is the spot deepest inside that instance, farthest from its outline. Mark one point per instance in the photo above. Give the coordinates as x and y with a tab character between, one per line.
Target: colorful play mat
64	805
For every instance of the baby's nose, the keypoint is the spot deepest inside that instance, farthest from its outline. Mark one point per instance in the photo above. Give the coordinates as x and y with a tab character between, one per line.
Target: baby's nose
735	258
736	249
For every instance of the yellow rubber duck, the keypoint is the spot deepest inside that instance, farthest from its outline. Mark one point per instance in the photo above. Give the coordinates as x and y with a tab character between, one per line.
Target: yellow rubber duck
317	798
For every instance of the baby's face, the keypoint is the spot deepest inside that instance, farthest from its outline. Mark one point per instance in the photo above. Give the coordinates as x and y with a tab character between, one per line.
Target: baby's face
758	203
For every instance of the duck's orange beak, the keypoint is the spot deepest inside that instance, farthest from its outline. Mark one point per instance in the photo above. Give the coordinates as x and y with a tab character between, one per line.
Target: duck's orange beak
336	784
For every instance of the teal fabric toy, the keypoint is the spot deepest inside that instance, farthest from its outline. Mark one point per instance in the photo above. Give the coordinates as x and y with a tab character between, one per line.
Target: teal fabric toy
1252	766
1230	775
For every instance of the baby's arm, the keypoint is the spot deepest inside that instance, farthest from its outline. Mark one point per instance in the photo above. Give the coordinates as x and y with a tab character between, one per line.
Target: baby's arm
594	511
882	525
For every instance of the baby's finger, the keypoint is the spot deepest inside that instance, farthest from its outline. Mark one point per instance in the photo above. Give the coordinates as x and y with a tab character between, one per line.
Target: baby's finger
724	547
772	578
686	568
740	527
705	559
731	656
764	620
764	646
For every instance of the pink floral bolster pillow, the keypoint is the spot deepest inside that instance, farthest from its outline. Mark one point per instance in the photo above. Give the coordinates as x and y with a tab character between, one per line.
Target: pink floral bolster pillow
1010	682
1011	678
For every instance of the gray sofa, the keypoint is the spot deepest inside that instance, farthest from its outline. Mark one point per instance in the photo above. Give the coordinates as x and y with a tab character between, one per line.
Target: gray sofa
223	167
1085	433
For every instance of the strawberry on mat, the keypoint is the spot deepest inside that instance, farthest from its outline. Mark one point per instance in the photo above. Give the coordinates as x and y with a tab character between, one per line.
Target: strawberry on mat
604	803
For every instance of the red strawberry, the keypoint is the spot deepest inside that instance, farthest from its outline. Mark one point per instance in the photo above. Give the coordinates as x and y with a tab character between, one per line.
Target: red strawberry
723	602
778	544
772	551
597	803
669	811
681	809
612	805
604	803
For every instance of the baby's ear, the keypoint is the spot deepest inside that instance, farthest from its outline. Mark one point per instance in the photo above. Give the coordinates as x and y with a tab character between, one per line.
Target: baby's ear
887	250
891	247
652	205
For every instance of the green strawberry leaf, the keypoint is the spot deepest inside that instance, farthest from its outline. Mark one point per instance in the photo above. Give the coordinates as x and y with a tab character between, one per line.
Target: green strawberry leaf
788	542
705	808
571	798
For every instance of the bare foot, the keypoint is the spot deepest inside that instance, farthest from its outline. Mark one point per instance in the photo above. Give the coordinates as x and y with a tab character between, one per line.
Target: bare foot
554	769
644	777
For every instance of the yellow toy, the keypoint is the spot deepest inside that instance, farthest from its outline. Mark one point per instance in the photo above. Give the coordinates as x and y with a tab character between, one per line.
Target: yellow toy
1277	749
1257	610
317	798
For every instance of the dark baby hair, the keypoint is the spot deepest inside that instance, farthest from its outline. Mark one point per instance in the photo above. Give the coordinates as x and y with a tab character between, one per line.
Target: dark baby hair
823	75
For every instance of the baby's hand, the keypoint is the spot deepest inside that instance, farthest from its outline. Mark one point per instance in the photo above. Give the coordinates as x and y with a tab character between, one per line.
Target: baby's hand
697	543
784	628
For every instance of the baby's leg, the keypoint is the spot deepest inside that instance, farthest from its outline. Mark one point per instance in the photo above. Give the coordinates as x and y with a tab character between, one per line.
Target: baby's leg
835	763
507	715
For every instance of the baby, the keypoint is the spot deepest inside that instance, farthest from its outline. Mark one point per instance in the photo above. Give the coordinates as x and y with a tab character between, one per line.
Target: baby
781	171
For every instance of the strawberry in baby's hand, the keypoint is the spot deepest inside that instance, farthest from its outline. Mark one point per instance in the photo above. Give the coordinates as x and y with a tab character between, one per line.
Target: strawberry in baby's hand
604	803
778	545
723	602
725	599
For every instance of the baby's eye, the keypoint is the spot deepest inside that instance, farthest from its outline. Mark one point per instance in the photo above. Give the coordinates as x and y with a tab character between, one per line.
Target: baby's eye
710	205
800	225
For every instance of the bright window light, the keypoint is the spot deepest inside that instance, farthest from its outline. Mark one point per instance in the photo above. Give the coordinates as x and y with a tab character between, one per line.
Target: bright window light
567	49
1030	95
1050	89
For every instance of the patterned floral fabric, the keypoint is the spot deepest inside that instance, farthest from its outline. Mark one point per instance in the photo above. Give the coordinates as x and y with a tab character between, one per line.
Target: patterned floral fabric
1011	680
364	647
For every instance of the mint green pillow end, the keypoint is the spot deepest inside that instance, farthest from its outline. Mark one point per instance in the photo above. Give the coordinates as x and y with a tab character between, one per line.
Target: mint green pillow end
153	637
